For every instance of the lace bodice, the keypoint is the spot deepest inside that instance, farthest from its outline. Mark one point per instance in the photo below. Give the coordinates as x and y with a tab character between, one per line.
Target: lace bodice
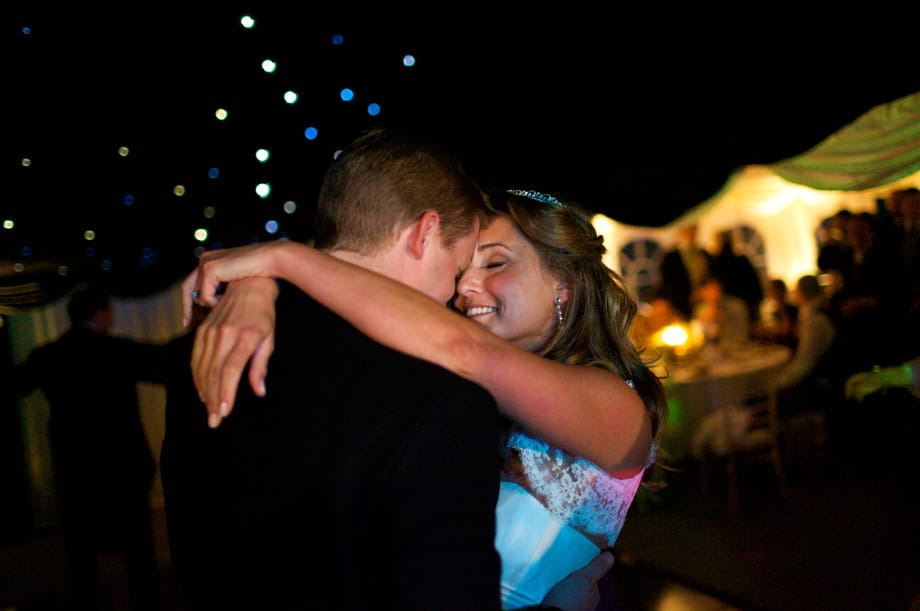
574	490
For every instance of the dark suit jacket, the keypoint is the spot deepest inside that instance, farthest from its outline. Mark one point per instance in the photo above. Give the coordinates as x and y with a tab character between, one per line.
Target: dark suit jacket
365	479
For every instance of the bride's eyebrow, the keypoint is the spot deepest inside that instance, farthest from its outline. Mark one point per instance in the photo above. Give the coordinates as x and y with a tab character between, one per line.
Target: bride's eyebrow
493	245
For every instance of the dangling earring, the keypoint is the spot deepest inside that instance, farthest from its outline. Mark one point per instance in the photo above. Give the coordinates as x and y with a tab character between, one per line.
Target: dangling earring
559	315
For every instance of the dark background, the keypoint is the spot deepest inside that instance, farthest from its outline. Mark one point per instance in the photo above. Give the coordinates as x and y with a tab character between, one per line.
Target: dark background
637	110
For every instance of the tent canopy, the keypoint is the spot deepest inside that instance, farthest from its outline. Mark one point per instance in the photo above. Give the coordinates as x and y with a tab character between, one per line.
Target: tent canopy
777	209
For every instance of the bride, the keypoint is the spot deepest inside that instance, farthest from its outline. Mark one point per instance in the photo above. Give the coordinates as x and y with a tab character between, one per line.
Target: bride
545	332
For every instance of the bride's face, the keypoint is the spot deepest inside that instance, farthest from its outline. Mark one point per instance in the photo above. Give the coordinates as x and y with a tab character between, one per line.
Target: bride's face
507	289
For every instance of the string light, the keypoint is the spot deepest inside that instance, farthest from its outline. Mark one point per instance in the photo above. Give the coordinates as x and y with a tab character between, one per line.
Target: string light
129	197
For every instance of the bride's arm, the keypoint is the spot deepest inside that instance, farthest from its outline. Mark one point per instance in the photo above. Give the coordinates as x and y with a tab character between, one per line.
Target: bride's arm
587	411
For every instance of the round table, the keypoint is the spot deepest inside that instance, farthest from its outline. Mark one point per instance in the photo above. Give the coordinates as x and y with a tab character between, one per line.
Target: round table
713	379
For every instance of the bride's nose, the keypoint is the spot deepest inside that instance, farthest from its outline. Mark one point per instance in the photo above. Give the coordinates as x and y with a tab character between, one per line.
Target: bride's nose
470	282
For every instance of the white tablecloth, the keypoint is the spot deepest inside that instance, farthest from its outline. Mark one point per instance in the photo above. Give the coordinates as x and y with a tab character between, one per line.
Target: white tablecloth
712	380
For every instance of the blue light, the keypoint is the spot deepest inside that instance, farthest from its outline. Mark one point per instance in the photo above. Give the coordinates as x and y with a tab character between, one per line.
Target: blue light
148	257
213	172
26	251
373	109
347	95
107	265
128	200
311	133
408	60
337	39
271	226
26	30
90	252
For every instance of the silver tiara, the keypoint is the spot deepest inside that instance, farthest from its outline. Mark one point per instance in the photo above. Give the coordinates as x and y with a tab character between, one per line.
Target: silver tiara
537	196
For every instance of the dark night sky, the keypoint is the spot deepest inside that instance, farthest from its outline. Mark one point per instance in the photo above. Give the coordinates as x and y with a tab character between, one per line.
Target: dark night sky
637	111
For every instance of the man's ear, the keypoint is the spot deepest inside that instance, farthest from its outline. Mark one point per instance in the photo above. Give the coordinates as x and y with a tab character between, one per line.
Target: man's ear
422	232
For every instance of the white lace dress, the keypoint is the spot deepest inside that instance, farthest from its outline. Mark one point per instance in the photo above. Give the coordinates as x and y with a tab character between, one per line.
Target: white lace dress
555	518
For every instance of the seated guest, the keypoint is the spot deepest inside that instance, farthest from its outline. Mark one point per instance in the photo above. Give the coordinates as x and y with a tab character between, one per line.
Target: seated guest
652	317
722	318
803	379
776	315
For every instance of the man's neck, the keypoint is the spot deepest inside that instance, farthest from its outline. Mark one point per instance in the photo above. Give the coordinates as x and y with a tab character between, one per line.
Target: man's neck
377	263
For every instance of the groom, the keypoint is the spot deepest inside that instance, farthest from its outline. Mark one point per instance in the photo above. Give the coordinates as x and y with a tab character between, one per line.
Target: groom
364	479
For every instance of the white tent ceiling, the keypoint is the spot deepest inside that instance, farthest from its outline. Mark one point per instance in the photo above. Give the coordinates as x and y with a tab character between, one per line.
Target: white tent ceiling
785	202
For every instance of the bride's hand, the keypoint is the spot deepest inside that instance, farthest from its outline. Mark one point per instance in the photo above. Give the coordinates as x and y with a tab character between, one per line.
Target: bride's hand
240	327
217	267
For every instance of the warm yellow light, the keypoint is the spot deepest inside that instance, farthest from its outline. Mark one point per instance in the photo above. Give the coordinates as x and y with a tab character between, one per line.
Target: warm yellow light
675	335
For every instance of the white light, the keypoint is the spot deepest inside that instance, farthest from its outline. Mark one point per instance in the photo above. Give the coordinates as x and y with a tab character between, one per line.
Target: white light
201	235
221	114
262	155
290	97
8	223
269	66
674	335
247	22
263	189
290	207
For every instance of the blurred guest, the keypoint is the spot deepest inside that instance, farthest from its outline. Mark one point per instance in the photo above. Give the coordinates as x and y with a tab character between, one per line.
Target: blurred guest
803	380
776	315
722	318
654	316
103	466
735	271
908	220
835	254
683	269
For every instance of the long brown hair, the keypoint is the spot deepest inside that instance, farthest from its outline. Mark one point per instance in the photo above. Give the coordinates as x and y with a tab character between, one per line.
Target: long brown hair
600	309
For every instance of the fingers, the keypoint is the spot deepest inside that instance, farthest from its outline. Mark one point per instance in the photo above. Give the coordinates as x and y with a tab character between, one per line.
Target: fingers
599	566
188	287
219	357
258	368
